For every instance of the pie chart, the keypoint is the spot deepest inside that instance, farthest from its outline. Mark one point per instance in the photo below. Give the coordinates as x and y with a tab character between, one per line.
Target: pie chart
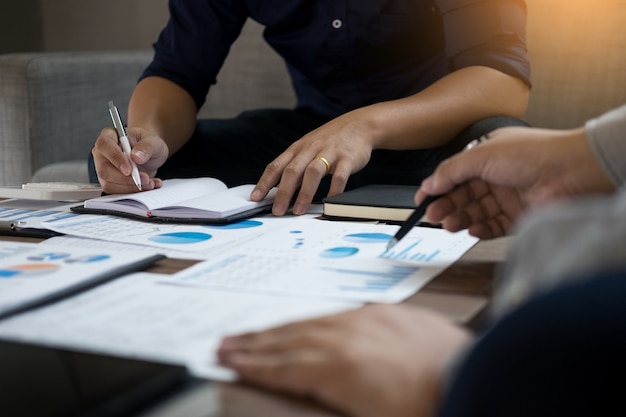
339	252
181	238
27	270
368	237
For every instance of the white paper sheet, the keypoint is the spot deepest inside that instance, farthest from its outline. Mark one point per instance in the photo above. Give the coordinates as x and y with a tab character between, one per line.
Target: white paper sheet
332	260
32	213
29	272
81	242
135	316
180	237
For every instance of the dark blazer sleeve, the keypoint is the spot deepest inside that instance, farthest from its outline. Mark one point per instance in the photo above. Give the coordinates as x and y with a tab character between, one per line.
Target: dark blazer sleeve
560	354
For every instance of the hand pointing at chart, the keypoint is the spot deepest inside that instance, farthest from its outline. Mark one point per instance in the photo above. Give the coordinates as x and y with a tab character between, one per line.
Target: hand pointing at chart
487	189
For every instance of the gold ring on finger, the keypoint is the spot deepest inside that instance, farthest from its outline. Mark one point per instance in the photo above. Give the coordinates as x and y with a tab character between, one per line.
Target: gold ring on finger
325	162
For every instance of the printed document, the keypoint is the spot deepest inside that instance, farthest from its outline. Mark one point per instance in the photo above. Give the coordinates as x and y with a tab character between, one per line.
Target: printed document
331	260
137	317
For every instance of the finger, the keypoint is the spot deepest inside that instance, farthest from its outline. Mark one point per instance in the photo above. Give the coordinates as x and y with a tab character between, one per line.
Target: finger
290	180
114	182
341	174
148	183
308	333
420	195
299	371
487	215
267	340
495	227
313	174
478	211
457	221
147	148
450	203
269	178
108	148
111	164
116	156
454	171
511	208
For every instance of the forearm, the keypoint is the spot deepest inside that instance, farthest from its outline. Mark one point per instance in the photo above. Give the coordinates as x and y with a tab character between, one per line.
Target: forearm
542	164
437	114
165	109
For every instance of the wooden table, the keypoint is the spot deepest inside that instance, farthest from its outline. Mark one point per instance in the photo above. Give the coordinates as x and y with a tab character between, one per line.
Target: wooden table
461	292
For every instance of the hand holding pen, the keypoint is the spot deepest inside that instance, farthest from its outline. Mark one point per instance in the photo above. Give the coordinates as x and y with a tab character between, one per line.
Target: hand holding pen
420	210
121	133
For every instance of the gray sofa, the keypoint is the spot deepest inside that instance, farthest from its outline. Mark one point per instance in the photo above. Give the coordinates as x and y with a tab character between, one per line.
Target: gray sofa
53	105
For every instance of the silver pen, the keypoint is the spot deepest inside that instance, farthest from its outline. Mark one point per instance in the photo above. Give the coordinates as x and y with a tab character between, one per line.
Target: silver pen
121	133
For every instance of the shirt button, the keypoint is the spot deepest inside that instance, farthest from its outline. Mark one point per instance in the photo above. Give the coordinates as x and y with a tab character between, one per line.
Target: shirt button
337	23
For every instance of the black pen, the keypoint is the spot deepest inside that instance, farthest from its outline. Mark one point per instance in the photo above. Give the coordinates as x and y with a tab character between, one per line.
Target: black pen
18	228
413	219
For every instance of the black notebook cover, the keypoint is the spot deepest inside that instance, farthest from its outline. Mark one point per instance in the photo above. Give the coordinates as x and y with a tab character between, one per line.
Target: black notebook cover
374	202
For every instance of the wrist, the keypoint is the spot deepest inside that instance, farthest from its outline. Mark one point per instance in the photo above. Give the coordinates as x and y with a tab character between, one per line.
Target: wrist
366	125
384	127
579	169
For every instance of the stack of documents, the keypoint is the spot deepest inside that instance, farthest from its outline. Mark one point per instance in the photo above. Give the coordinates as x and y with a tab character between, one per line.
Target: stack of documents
253	274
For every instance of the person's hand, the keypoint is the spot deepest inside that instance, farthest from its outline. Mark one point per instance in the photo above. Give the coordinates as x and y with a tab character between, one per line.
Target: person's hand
487	188
341	143
379	360
149	152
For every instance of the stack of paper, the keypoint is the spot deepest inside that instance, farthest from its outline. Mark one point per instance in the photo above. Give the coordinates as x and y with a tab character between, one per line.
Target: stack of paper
255	274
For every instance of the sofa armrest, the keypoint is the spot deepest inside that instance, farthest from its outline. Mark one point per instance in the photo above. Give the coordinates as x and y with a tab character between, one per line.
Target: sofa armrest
53	105
14	146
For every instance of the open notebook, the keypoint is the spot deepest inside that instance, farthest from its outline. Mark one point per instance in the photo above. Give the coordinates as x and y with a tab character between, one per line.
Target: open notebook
189	200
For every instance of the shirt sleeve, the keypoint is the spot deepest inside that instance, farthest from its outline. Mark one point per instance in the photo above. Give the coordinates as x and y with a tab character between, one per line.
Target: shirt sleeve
560	244
606	136
192	47
489	33
555	356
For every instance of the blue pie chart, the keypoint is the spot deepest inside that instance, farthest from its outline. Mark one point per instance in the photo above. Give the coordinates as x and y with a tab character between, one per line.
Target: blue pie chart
368	237
181	238
339	252
244	224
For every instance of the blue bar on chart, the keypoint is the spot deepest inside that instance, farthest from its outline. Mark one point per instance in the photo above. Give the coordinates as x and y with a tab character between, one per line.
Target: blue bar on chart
410	254
373	281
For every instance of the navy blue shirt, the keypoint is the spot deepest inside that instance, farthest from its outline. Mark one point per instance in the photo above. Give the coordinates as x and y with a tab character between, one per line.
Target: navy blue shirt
343	55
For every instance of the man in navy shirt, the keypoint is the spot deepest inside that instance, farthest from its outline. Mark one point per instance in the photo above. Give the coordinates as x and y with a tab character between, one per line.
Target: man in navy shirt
385	90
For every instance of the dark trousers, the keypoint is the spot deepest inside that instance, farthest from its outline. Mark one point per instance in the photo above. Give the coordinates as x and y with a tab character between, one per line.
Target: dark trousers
237	150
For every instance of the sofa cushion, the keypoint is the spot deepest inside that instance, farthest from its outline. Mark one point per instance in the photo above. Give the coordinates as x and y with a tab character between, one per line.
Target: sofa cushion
57	104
